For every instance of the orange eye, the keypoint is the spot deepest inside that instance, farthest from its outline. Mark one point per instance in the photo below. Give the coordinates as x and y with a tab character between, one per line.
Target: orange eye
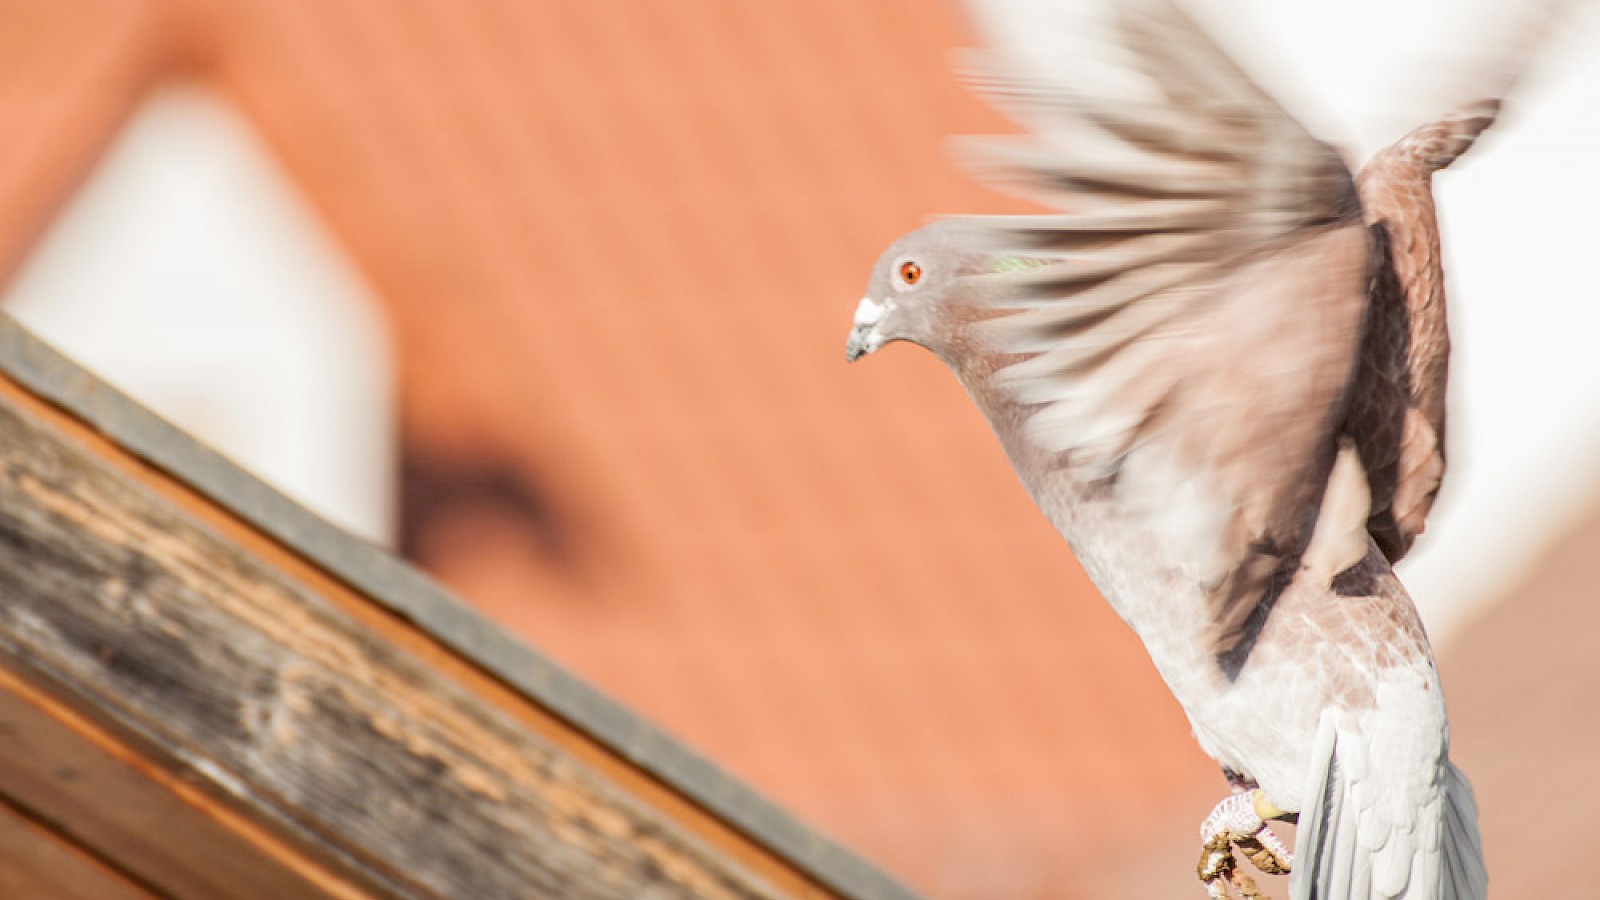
910	272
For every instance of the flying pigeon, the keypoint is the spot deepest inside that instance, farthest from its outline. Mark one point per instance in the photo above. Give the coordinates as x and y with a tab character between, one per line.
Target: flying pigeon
1221	376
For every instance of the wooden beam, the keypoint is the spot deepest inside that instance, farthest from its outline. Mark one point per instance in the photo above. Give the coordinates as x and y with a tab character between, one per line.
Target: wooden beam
37	863
243	721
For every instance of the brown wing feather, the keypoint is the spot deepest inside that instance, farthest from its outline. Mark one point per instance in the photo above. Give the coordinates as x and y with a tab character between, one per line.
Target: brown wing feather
1397	407
1397	413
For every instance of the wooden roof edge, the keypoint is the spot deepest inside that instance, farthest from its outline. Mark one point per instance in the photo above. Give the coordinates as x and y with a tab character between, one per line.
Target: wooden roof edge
406	592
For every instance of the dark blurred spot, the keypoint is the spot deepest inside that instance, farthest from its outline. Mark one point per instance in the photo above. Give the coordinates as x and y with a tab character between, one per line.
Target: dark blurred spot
437	493
1239	780
1357	581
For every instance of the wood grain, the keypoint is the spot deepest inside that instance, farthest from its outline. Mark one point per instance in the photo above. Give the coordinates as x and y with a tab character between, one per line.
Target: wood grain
284	736
37	863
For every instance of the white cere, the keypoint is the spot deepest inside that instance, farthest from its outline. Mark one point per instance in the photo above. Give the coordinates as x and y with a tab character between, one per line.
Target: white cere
870	312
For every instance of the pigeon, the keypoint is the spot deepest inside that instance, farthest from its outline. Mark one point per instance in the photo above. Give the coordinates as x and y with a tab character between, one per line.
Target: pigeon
1220	373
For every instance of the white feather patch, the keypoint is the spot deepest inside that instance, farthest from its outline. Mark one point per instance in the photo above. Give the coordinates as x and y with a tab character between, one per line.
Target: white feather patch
1340	538
870	312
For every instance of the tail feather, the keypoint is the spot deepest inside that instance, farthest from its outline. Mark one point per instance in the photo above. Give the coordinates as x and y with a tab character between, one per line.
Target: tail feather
1435	856
1464	877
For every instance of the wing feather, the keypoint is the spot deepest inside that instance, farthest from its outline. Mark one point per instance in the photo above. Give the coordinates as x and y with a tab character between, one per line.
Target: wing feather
1398	409
1190	329
1398	415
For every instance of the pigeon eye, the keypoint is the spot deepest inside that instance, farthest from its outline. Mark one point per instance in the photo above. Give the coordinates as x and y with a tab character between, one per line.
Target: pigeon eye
910	272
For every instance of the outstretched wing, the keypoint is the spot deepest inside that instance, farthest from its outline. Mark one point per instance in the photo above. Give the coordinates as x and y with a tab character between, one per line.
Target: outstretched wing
1398	400
1397	406
1187	338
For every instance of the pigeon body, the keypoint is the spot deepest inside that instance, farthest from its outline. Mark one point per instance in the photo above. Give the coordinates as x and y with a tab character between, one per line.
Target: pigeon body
1221	377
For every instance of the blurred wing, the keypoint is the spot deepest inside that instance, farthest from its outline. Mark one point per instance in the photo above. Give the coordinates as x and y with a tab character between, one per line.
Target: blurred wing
1188	338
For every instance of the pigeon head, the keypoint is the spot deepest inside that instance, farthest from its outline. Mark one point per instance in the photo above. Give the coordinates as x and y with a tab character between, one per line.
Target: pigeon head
918	289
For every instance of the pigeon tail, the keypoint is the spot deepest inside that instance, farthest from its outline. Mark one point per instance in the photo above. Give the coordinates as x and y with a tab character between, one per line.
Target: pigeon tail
1462	876
1347	849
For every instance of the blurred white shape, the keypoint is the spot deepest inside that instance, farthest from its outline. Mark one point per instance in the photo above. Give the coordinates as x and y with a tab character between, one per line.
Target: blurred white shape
191	273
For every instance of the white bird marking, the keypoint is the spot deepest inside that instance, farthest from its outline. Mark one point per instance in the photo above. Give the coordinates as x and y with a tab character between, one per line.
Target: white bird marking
871	312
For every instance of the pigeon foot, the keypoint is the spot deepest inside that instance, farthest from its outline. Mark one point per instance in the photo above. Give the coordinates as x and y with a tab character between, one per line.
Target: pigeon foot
1240	821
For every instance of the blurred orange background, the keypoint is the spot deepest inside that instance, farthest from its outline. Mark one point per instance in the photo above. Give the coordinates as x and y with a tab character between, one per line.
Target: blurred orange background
553	296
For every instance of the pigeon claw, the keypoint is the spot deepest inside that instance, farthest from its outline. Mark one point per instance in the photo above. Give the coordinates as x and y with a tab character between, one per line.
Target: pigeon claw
1216	859
1238	822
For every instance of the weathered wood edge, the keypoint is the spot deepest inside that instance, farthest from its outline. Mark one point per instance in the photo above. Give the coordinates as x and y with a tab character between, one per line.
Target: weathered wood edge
406	592
134	630
35	855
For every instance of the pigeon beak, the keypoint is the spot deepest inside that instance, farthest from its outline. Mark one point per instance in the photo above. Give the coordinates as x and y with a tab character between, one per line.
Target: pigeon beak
856	347
864	337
